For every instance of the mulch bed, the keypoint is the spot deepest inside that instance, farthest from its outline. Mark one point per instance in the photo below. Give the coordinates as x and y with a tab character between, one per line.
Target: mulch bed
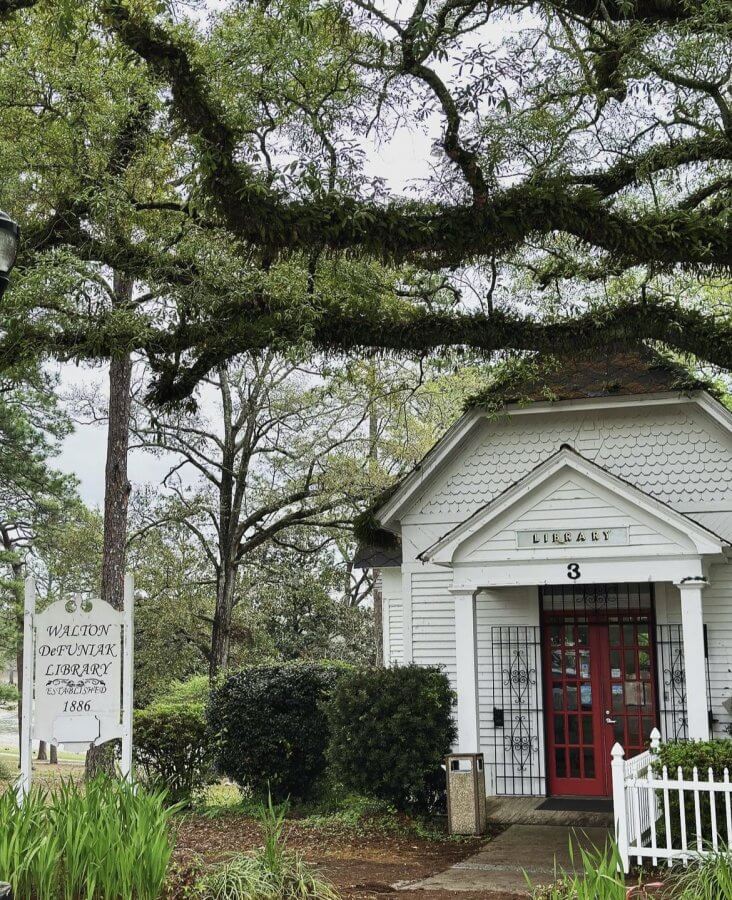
361	864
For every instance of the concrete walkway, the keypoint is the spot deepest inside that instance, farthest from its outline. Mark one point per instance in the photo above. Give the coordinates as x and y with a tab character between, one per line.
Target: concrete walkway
537	850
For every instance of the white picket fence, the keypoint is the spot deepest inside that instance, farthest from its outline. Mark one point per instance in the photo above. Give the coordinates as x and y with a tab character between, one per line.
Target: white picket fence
646	826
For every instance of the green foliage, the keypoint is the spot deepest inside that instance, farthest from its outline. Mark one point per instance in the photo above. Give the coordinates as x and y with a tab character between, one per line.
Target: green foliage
8	694
598	877
715	755
706	878
171	744
272	873
270	728
108	840
390	731
193	691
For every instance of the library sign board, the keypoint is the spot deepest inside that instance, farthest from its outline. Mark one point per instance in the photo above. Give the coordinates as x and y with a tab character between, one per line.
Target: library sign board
77	664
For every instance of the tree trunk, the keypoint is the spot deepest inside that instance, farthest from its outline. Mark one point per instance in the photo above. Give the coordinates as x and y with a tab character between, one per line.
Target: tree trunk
54	755
42	755
221	632
100	759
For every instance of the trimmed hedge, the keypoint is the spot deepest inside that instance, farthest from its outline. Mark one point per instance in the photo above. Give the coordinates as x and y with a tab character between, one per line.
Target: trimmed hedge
390	731
270	727
717	755
171	745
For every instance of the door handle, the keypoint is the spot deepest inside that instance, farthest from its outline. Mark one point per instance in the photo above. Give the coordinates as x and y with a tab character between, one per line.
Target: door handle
610	721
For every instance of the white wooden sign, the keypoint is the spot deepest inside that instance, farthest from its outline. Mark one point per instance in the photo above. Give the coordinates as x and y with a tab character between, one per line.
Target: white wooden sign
78	669
78	673
571	537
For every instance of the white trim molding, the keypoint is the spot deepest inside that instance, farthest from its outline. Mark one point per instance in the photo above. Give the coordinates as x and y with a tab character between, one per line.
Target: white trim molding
466	659
692	627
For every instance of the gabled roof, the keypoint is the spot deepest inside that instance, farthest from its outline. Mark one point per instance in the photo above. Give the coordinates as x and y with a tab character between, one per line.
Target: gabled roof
615	373
617	377
566	458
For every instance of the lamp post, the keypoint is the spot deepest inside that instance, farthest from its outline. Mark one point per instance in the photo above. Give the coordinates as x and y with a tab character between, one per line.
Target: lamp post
9	240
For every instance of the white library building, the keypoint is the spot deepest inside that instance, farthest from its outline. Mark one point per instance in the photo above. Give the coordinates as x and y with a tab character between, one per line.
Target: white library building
565	558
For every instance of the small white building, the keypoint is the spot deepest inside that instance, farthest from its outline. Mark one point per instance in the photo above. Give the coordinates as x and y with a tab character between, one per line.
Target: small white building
567	562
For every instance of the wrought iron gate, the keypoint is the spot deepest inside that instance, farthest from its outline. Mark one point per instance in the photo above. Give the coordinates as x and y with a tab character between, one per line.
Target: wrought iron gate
518	737
672	681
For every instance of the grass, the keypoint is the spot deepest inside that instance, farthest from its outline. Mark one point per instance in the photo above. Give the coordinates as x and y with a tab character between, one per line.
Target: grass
272	873
708	878
107	841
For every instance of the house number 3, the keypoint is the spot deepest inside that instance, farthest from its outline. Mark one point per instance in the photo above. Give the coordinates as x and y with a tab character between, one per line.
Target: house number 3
573	571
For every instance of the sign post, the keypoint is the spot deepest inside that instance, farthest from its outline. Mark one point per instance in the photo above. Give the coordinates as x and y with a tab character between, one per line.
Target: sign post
128	668
78	668
26	745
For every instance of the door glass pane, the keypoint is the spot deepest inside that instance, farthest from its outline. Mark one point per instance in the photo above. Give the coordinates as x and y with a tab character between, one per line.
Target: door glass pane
628	634
644	660
556	662
571	697
574	763
584	661
559	730
560	762
589	761
573	730
617	697
570	663
586	696
555	635
586	729
630	664
614	634
615	671
583	633
558	698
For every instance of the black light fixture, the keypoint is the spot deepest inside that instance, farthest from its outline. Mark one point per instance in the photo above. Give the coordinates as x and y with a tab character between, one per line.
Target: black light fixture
9	240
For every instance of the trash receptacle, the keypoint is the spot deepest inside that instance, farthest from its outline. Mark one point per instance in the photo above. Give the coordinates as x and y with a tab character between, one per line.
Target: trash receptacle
465	793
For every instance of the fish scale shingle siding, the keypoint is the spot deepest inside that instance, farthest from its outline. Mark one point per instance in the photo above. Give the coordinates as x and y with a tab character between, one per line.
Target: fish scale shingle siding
675	455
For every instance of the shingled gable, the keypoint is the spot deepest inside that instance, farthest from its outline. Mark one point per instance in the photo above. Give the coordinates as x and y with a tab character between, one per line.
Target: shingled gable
567	459
616	374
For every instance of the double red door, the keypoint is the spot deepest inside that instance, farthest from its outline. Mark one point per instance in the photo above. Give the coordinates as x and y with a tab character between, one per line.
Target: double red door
599	676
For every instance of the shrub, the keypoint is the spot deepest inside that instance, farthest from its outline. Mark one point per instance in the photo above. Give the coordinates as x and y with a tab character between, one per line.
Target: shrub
171	745
390	731
106	839
270	729
8	694
715	755
273	873
196	689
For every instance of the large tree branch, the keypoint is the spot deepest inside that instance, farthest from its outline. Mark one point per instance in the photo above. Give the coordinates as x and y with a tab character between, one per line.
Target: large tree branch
444	234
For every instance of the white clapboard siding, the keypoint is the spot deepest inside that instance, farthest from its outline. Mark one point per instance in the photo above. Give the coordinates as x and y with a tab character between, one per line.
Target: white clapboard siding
433	620
395	628
674	453
571	506
503	607
717	605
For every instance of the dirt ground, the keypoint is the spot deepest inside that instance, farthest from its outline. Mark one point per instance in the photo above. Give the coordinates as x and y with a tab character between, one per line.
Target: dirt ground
361	865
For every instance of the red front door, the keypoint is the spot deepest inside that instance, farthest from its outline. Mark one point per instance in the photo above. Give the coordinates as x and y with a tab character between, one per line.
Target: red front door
600	687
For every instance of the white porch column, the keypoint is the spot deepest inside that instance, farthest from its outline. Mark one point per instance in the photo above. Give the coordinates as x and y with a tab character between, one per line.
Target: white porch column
466	659
692	626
